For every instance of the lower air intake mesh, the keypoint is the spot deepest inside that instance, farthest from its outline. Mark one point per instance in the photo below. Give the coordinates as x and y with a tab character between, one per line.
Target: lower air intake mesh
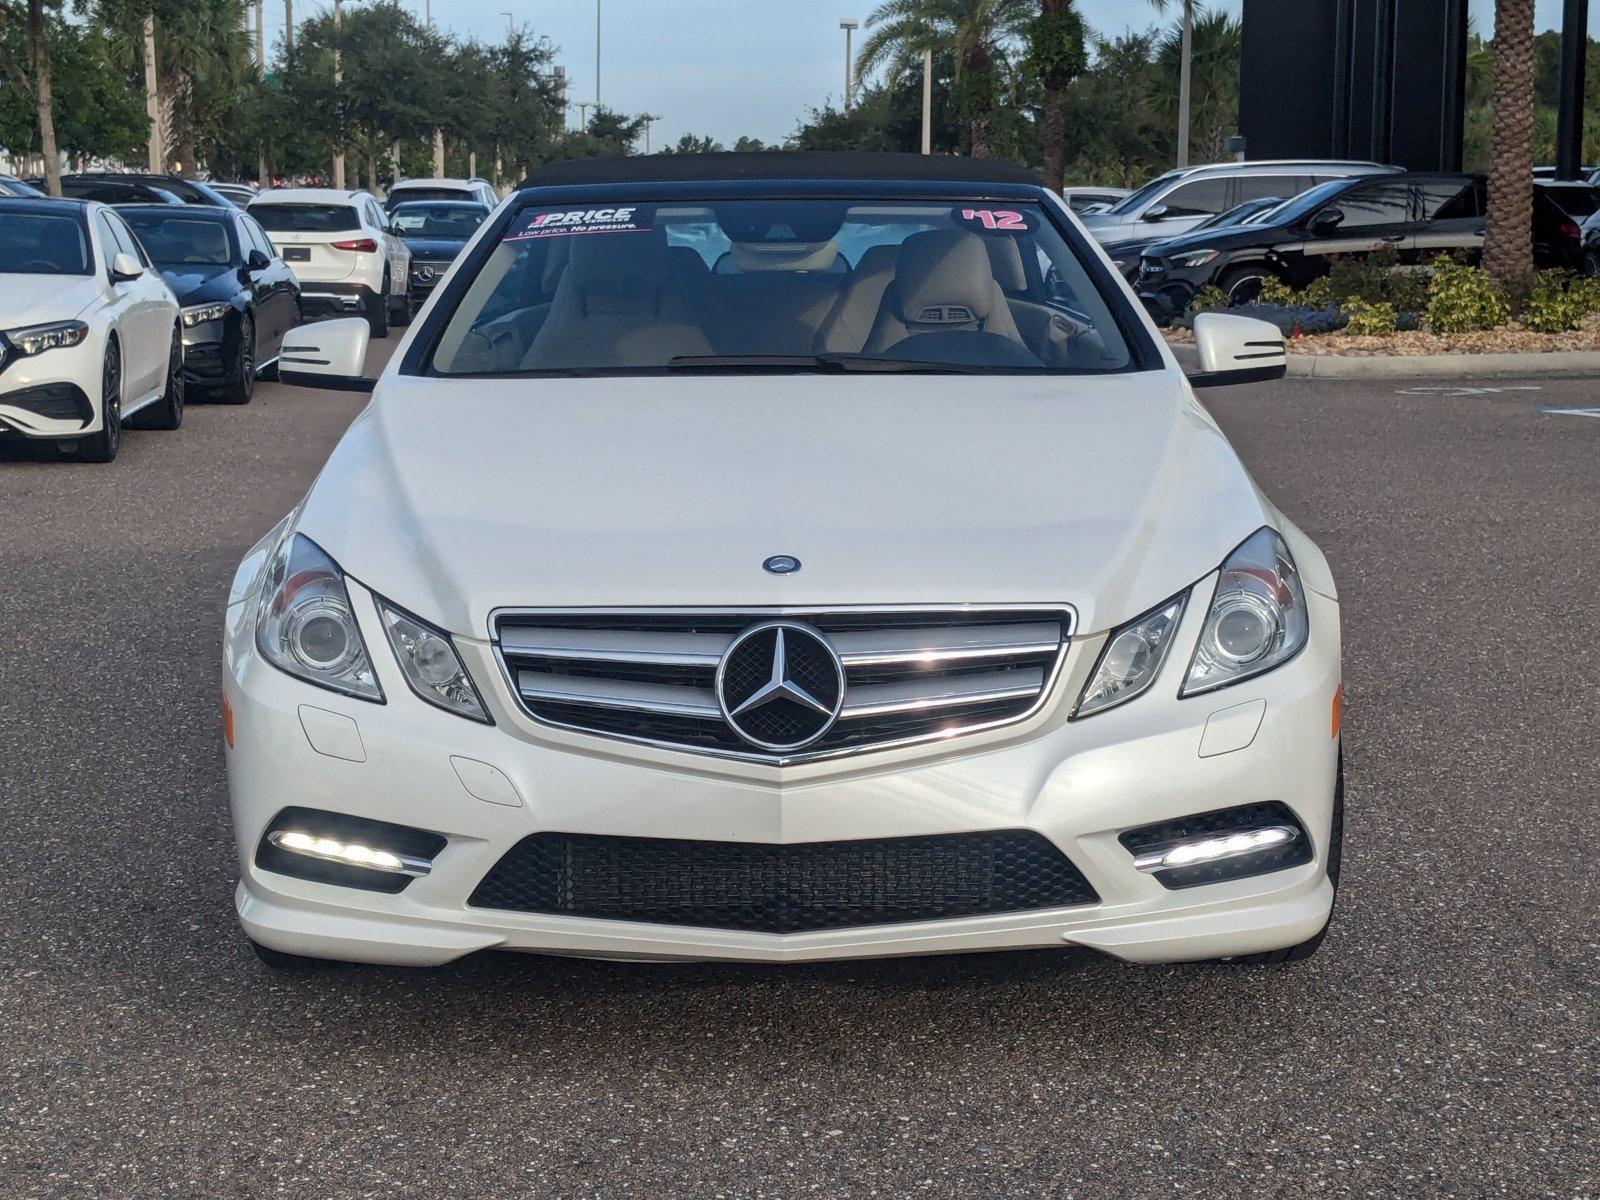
766	888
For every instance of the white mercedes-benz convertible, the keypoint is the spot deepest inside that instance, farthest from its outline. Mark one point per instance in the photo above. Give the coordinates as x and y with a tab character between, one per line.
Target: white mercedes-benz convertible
781	558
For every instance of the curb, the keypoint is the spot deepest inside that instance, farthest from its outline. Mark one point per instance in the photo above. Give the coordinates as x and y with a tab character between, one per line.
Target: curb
1436	366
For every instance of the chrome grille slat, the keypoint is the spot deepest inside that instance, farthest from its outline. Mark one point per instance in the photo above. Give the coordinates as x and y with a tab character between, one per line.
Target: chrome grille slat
910	674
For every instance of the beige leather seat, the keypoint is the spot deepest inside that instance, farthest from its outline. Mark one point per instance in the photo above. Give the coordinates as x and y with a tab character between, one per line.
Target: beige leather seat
616	306
943	283
848	324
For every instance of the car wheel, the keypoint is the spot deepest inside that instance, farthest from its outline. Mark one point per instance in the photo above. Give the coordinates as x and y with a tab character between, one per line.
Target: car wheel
1591	263
402	311
102	446
278	960
378	311
244	364
167	412
1307	948
1242	285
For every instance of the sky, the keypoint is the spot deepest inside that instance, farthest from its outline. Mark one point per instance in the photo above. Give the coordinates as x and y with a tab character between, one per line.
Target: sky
727	68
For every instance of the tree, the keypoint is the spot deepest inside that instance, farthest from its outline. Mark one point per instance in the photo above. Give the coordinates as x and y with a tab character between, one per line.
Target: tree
1508	236
1112	116
1185	34
1213	110
980	32
94	112
1056	56
36	76
691	144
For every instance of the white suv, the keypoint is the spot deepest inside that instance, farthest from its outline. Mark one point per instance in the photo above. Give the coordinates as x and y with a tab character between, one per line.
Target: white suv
784	557
342	250
441	189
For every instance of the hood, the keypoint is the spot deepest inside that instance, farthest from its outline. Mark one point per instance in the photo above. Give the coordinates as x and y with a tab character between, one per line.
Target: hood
38	299
1106	222
454	498
1210	239
434	249
193	284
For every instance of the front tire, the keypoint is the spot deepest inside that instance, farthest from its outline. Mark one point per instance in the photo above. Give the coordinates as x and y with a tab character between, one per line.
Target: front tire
167	412
378	311
243	386
1242	285
102	445
402	311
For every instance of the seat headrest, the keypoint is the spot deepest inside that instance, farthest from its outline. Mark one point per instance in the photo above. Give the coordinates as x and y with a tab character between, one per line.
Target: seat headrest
1005	261
943	278
556	257
618	272
878	259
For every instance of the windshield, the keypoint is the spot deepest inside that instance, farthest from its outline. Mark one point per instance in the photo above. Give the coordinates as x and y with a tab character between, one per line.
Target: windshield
403	195
43	244
455	222
783	285
1136	201
306	218
1307	202
182	239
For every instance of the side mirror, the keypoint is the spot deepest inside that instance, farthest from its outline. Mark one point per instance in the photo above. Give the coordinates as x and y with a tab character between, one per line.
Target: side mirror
1237	350
125	267
1326	221
328	354
257	261
1156	212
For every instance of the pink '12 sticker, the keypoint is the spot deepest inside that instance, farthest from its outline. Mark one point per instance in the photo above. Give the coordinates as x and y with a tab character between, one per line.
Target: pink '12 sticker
994	220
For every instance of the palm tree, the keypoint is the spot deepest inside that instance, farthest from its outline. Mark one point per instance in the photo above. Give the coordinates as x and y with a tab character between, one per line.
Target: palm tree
36	74
980	32
1056	55
1508	238
1186	37
1213	59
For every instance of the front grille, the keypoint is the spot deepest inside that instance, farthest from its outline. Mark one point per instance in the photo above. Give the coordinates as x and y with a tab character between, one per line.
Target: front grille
763	888
53	401
204	360
909	674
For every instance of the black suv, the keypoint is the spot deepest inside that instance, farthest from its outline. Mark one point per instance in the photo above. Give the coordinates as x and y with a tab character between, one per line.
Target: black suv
1415	215
137	187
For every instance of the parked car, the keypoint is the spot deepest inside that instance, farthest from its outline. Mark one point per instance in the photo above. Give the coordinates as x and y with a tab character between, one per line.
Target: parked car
12	186
89	331
1416	216
342	250
784	614
1176	202
134	187
1086	200
237	296
239	194
1125	255
1578	200
436	231
1589	240
1589	175
477	190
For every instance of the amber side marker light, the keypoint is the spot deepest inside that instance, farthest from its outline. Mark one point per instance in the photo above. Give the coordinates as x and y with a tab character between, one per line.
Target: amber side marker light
227	721
1338	711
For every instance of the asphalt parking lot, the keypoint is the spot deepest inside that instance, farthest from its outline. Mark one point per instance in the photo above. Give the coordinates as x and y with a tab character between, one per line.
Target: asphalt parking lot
1444	1042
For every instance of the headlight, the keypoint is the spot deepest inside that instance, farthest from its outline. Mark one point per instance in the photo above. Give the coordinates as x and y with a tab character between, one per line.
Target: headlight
36	339
305	625
199	314
1258	617
1198	259
429	661
1131	658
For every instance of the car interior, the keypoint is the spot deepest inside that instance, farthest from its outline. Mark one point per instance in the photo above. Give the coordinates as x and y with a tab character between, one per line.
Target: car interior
767	279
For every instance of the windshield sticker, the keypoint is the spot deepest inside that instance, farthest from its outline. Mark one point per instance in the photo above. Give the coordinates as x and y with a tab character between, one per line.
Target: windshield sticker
993	220
573	222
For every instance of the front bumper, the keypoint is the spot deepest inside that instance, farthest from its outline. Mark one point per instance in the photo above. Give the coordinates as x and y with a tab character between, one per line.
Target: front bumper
55	394
1079	784
353	298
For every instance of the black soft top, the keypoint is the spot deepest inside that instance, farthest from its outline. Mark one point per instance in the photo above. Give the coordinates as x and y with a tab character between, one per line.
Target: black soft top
779	164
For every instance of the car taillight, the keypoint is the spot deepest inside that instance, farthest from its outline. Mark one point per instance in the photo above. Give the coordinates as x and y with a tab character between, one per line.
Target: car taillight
1570	229
360	245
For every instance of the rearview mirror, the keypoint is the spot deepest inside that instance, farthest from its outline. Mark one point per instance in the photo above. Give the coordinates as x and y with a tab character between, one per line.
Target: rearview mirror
1237	350
125	266
1156	212
329	354
1326	221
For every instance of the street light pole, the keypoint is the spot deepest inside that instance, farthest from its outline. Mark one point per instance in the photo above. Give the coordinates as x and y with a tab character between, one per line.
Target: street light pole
927	101
849	25
1187	39
288	26
648	118
338	82
597	56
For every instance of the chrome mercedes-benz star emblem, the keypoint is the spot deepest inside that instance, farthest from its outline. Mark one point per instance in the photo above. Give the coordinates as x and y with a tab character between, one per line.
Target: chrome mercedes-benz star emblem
780	686
781	564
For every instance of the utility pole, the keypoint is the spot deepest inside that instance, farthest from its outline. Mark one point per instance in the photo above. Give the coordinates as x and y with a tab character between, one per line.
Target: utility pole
261	39
597	57
152	99
438	134
927	101
288	26
583	107
648	119
1183	83
338	82
849	25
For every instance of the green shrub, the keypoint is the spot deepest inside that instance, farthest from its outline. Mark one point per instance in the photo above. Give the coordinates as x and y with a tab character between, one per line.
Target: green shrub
1275	291
1318	293
1517	294
1206	297
1462	299
1371	320
1557	303
1407	291
1586	289
1361	279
